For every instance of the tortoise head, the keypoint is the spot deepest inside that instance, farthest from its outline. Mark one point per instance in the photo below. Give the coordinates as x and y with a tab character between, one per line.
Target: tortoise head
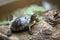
34	18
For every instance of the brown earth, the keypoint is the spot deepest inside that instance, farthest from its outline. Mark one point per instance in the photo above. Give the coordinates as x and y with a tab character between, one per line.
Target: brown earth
41	31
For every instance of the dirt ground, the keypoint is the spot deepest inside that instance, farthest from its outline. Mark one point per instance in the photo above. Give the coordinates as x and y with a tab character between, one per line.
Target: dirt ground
39	32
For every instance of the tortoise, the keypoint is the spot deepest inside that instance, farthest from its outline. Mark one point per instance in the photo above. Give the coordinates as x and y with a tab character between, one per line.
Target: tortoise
22	23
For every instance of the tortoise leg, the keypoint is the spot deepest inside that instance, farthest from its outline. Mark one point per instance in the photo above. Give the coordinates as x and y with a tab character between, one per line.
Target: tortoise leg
30	30
8	33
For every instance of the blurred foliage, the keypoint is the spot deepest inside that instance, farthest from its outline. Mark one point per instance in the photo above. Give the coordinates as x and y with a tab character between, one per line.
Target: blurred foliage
3	22
35	9
10	17
29	11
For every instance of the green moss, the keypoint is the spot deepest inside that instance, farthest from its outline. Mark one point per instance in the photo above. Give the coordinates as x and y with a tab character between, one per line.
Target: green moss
30	10
34	9
3	22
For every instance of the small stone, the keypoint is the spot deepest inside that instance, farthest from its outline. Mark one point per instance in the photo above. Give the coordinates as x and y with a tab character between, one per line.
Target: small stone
47	32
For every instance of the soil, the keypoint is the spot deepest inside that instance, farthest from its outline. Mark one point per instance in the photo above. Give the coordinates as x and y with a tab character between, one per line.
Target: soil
41	31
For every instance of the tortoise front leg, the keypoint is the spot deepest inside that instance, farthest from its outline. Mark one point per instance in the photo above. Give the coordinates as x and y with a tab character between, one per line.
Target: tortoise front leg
29	30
